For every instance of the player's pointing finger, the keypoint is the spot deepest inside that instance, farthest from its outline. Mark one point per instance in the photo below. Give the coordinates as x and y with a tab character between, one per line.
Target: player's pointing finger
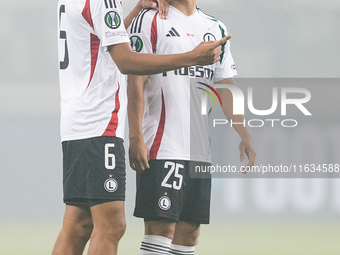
223	40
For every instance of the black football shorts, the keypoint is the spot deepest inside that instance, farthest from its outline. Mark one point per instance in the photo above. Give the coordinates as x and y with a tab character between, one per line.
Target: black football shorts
165	191
94	171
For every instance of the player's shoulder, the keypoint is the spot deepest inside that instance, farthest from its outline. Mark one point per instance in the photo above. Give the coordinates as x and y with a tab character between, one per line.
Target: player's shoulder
78	4
210	18
85	6
142	20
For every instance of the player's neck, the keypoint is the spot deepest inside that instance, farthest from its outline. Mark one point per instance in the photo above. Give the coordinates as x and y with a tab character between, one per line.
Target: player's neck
187	7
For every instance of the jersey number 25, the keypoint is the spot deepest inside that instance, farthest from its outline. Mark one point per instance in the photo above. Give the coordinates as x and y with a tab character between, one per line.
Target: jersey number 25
173	168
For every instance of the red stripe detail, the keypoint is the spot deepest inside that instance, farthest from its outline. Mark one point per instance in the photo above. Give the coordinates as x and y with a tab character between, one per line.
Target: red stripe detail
87	13
160	131
95	42
113	124
213	90
153	38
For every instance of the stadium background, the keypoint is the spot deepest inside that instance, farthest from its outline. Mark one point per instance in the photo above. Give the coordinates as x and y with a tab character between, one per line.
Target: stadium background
271	39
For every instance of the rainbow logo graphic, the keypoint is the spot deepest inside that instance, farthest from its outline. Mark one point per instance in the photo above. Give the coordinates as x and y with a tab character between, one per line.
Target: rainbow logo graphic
209	93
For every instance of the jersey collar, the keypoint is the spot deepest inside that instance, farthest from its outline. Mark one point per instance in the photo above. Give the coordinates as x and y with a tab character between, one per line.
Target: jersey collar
181	13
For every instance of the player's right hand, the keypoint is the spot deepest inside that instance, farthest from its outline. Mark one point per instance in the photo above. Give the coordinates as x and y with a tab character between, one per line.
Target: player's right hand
139	155
246	148
163	6
208	53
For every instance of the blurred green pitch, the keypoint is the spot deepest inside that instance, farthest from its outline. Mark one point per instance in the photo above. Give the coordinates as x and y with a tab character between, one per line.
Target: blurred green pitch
272	238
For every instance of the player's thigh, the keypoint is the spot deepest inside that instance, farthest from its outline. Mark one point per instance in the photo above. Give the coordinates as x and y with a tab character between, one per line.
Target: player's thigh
109	218
160	190
94	169
160	228
78	219
196	209
186	233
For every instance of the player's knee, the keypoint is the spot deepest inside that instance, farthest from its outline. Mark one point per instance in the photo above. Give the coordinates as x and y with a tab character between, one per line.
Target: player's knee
112	231
78	230
119	231
186	234
189	238
86	230
192	237
160	228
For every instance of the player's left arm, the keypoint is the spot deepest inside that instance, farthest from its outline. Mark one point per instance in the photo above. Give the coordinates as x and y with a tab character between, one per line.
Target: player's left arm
246	146
163	6
224	72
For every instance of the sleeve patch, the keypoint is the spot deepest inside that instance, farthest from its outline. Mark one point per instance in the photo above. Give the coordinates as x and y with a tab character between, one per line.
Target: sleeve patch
136	43
112	20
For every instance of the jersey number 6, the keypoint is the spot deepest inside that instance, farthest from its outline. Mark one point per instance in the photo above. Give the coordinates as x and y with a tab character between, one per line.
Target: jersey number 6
173	168
110	158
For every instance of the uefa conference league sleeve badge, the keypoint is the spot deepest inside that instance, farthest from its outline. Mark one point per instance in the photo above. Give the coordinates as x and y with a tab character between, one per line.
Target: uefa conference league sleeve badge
136	43
112	20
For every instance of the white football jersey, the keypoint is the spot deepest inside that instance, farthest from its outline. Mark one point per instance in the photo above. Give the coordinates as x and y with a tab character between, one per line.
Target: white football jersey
93	91
167	114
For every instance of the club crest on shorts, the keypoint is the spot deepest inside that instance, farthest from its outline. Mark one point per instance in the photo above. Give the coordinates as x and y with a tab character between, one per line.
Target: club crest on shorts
111	185
112	20
164	203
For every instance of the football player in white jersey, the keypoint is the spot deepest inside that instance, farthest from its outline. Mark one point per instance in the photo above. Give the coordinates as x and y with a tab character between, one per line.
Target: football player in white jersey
93	51
172	204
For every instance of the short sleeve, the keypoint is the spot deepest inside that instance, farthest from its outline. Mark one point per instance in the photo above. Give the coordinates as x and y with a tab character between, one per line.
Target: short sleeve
108	22
226	67
140	31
